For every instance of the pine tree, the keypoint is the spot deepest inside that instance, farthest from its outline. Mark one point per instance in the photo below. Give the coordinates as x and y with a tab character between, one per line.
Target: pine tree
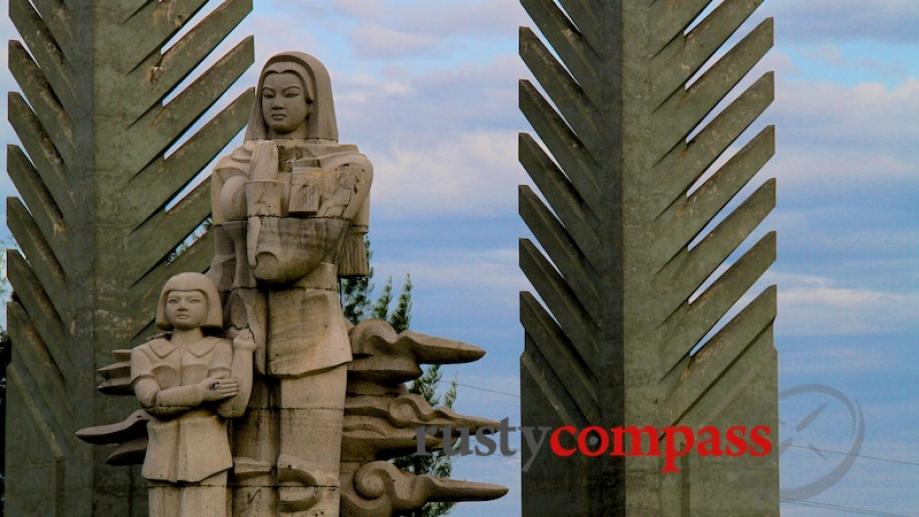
380	309
401	317
356	305
355	293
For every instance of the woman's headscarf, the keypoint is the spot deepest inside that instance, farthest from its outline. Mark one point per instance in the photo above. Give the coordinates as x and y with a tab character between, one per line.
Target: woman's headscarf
321	125
318	90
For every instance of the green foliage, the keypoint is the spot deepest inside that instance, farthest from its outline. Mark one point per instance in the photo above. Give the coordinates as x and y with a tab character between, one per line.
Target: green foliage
380	309
357	305
402	316
355	293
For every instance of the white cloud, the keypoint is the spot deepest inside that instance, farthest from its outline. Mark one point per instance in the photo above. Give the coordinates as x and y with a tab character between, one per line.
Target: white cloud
812	21
362	88
813	305
836	360
483	18
473	174
372	41
868	115
852	144
439	102
391	29
834	55
487	272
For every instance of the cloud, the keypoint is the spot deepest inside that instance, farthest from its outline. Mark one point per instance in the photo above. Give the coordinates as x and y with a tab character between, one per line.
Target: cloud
834	55
450	270
337	8
837	142
483	18
443	141
814	21
473	174
378	42
415	28
866	115
837	360
437	103
819	306
860	251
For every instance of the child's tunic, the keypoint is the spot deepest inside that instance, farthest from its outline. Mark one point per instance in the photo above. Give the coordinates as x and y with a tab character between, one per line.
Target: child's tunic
187	442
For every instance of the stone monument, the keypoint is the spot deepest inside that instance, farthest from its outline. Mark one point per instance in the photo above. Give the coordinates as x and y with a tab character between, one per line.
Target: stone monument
286	408
634	237
111	137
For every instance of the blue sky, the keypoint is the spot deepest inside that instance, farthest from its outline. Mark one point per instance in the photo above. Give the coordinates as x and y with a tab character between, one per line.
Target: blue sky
428	91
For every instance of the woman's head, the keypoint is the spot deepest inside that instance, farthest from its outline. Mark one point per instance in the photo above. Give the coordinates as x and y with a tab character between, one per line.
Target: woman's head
189	300
286	105
293	100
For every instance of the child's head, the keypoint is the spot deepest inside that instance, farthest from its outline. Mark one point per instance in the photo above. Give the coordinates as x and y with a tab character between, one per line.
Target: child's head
189	300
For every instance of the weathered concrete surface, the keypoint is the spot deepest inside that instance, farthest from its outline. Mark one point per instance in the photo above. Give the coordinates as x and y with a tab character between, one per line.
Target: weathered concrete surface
611	343
92	224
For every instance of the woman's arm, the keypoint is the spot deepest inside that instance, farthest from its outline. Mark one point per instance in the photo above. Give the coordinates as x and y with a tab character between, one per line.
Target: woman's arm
241	370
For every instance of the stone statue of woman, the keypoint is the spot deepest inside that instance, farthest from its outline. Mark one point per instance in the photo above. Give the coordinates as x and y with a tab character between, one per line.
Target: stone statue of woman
190	383
290	208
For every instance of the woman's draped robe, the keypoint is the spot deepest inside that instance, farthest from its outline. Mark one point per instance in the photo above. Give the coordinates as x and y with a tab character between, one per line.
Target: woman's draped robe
289	218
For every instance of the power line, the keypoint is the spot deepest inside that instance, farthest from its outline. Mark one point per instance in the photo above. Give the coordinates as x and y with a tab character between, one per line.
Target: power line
481	389
842	508
876	458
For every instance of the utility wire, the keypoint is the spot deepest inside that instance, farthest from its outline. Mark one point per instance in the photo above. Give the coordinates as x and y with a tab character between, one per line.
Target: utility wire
481	389
842	508
876	458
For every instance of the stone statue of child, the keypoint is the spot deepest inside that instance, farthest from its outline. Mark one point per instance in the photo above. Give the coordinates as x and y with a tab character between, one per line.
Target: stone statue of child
190	383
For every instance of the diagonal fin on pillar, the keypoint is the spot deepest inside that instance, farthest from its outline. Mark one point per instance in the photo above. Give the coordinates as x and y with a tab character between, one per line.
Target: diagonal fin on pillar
640	209
95	183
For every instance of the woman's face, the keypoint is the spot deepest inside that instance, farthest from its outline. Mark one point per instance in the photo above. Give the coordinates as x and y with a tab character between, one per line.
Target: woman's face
284	105
186	310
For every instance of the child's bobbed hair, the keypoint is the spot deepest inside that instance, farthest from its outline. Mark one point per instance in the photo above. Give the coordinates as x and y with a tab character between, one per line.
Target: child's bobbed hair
192	282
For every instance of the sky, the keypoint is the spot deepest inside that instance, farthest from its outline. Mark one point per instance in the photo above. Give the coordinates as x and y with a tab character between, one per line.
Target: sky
429	93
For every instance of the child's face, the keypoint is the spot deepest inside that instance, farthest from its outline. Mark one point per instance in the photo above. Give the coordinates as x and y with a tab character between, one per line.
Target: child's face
186	309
